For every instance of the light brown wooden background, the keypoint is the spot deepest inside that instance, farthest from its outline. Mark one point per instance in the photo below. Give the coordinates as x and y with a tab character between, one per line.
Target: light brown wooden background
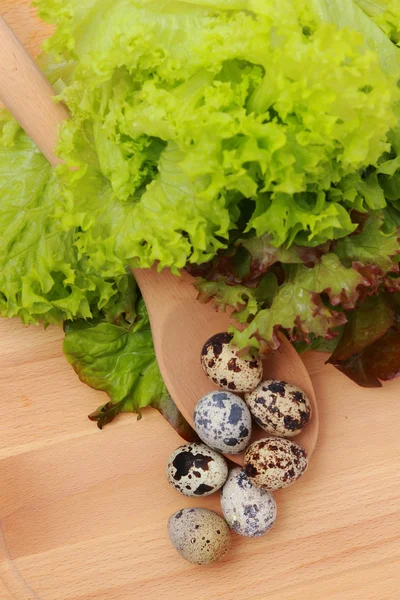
83	513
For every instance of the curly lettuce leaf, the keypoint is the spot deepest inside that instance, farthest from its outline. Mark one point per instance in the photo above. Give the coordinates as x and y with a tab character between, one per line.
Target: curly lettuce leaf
195	109
245	301
207	133
371	246
307	292
120	360
299	306
250	258
354	14
42	276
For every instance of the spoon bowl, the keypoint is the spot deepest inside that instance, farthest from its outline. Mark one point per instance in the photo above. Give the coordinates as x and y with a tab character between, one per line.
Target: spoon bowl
180	324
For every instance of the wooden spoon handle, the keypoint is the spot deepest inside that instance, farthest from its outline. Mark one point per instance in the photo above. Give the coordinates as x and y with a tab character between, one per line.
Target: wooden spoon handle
28	95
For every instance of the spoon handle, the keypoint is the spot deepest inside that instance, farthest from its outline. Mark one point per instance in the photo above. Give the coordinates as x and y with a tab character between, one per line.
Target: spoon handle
28	95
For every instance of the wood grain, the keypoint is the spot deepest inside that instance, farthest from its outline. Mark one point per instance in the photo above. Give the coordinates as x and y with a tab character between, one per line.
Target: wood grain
83	513
28	95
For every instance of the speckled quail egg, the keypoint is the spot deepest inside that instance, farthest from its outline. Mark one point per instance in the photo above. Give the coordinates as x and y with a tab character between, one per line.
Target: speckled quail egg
274	463
223	366
196	470
248	510
199	535
223	422
279	407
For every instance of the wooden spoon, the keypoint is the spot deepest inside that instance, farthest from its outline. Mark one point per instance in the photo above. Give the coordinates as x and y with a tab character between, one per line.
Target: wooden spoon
180	324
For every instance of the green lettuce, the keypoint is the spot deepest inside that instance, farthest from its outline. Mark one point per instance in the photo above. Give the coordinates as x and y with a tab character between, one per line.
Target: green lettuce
255	143
194	109
354	14
120	360
42	275
307	292
386	14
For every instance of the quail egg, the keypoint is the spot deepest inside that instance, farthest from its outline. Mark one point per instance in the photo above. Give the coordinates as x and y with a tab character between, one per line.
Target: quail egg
225	368
196	470
274	463
199	535
223	422
280	408
248	510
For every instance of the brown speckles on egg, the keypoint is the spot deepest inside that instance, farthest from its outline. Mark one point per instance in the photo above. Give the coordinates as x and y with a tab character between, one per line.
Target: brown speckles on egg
222	364
196	470
233	365
279	408
297	396
217	341
276	387
275	463
199	535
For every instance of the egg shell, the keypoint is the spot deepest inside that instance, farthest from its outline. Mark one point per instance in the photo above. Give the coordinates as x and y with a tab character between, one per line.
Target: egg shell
196	470
279	408
275	463
248	510
223	422
199	535
222	364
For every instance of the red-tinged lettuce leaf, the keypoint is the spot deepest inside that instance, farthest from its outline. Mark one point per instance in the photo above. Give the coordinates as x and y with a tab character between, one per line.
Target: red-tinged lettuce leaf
232	266
264	255
304	291
382	359
392	284
369	349
365	325
374	252
378	362
120	361
245	301
224	296
304	304
250	258
301	306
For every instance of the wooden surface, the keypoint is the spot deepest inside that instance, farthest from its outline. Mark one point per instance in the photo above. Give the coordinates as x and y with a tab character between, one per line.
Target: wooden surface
83	513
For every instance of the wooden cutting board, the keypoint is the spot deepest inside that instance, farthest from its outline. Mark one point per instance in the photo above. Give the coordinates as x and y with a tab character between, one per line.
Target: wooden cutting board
83	512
